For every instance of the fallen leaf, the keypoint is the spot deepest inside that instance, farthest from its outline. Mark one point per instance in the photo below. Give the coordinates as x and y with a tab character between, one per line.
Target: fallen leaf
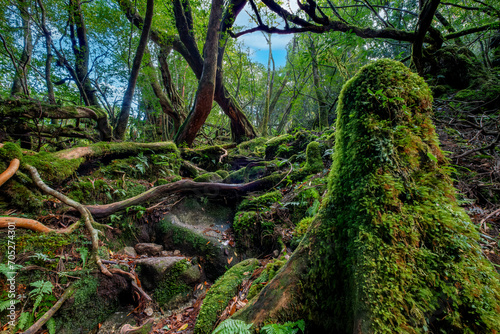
229	260
183	327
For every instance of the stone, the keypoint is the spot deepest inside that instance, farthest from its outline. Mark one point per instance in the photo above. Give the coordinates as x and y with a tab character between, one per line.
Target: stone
148	249
191	275
152	269
128	251
115	321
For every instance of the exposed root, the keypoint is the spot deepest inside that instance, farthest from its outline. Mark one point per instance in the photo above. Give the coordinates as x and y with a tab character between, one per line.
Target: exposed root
135	283
50	313
33	225
84	212
10	171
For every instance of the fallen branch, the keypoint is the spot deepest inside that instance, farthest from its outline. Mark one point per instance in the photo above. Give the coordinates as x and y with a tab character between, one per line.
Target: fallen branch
184	186
482	223
33	225
50	313
10	171
84	212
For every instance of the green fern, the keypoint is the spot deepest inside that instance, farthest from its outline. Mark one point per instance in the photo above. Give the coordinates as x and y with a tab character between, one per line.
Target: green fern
6	303
51	326
286	328
230	326
26	319
84	252
42	288
9	270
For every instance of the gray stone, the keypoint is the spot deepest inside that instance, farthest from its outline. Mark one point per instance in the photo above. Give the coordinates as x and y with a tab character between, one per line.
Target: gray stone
152	269
148	249
191	275
128	251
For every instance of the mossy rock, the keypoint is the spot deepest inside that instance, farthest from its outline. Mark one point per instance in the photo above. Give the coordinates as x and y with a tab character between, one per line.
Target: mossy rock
223	173
95	299
250	173
273	144
219	295
205	157
260	203
255	147
314	162
406	256
208	177
10	151
173	289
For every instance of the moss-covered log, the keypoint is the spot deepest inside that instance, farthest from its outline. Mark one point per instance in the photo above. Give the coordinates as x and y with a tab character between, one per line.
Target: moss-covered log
15	108
390	250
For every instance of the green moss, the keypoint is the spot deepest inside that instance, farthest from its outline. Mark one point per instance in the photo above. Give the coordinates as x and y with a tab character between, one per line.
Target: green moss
254	147
406	257
259	203
314	163
247	174
10	151
51	168
204	157
161	182
87	310
223	173
267	274
208	177
219	295
302	227
273	145
172	286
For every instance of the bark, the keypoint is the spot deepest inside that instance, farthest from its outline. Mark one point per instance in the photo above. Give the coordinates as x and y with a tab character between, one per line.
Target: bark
185	186
48	50
241	128
424	23
166	103
10	171
25	223
81	50
322	105
50	313
121	126
206	85
270	81
20	82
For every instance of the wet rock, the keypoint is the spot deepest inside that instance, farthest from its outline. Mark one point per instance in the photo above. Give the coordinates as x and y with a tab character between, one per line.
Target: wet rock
191	275
148	249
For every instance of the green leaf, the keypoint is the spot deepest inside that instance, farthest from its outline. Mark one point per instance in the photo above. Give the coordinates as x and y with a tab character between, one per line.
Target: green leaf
51	326
231	326
432	157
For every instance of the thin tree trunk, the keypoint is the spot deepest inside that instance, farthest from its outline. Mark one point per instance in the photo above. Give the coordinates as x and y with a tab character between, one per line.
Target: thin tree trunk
270	80
48	59
121	126
425	17
20	82
322	105
206	86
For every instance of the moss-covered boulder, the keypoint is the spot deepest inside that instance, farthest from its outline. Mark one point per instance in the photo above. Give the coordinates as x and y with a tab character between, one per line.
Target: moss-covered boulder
219	295
390	250
208	177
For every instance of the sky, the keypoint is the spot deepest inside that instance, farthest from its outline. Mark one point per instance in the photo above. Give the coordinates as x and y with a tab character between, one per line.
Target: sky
257	43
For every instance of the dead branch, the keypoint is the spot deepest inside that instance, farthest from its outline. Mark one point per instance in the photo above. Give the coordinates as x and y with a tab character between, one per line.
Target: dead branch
50	313
185	186
33	225
10	171
84	212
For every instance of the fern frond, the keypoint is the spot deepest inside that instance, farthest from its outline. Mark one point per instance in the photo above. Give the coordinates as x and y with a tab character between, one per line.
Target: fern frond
51	326
230	326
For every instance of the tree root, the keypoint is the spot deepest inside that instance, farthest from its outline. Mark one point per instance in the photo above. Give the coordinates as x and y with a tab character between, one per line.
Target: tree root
10	171
33	225
183	186
84	212
46	317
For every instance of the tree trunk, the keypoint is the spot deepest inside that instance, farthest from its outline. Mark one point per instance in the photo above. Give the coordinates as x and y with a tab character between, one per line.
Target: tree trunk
322	105
206	86
241	128
269	89
20	82
121	126
424	23
48	59
390	249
